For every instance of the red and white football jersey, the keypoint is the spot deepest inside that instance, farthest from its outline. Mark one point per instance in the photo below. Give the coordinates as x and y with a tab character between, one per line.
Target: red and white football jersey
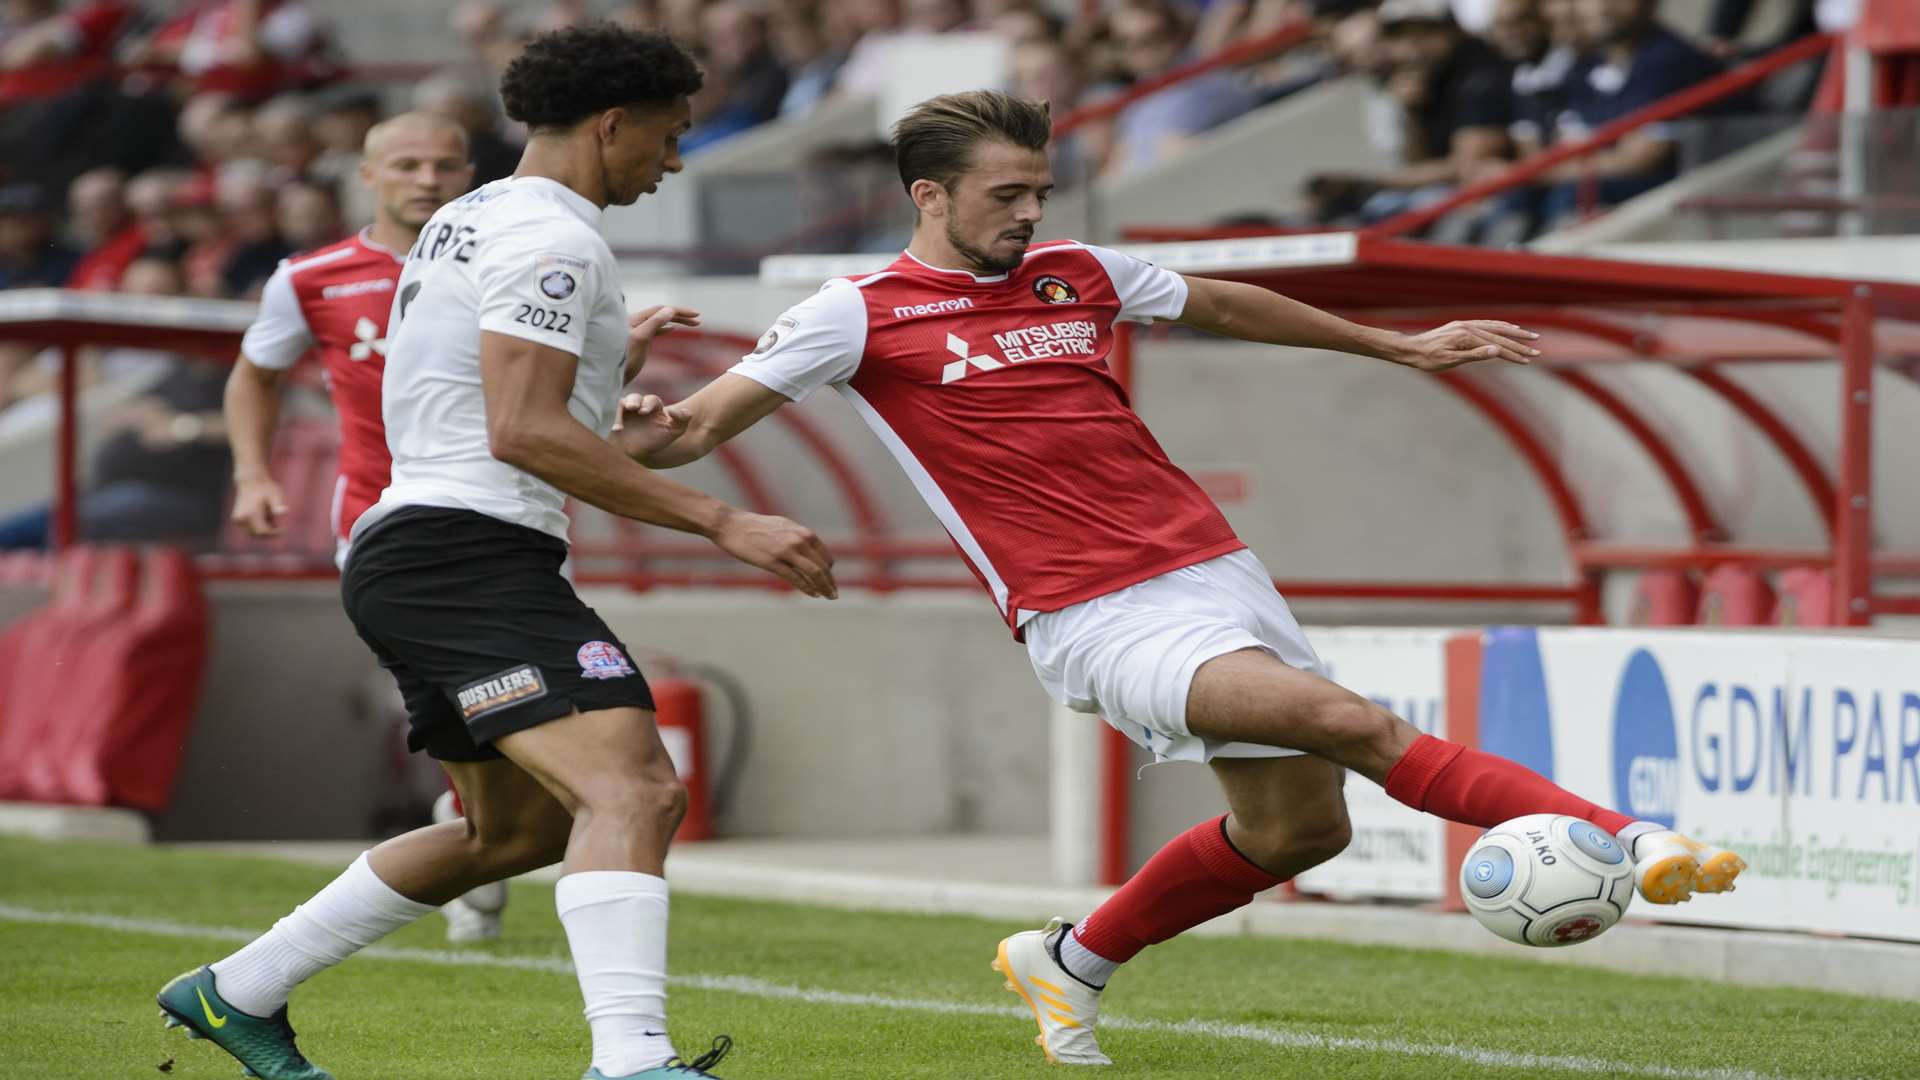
334	301
994	395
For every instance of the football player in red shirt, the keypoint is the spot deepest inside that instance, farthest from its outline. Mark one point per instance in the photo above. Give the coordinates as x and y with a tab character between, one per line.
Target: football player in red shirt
979	359
333	303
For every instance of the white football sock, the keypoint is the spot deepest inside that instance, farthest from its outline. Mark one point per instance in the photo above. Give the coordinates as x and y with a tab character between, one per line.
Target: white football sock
1083	963
1634	831
353	911
616	923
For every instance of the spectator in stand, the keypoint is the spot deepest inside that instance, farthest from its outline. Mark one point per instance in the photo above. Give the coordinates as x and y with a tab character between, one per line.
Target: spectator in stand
307	216
681	19
245	200
98	218
251	49
284	134
160	471
737	56
1636	61
344	118
1021	25
1046	70
472	107
30	257
1455	96
216	128
874	26
150	199
491	45
800	43
1540	69
1152	37
45	52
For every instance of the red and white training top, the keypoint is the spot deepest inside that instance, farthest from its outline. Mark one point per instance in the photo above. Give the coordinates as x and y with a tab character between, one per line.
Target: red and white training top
994	395
334	301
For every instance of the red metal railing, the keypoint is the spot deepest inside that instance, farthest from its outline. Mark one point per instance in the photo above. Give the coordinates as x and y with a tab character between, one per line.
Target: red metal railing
1686	101
1262	47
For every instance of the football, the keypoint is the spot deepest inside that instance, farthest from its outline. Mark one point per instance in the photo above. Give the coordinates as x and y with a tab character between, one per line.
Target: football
1547	880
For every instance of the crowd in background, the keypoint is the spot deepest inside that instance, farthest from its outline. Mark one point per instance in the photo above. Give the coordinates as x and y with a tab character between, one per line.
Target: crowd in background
211	138
222	134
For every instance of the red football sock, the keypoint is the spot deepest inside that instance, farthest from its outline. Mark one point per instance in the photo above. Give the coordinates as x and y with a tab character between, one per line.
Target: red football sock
1477	788
1197	876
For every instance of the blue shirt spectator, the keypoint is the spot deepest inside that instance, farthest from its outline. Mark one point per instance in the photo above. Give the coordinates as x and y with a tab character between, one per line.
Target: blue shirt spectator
1637	62
1151	40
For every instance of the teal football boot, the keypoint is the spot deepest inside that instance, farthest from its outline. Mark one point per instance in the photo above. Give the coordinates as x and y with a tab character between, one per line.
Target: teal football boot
263	1047
676	1067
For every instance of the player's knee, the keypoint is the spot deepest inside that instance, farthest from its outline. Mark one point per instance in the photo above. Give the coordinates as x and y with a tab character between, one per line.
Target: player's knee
517	845
1355	728
1297	842
656	801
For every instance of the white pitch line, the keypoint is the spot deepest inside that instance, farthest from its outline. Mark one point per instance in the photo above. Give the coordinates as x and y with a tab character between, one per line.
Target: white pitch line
760	988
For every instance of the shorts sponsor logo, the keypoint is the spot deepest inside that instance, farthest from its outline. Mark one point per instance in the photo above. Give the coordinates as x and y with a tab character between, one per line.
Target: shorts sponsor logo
495	692
1054	290
557	284
356	288
603	660
937	307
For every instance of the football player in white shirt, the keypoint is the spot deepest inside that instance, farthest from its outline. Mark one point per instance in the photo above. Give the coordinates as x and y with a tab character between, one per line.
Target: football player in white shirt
509	343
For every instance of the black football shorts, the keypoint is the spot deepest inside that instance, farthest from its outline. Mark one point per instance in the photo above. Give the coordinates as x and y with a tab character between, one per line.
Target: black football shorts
484	635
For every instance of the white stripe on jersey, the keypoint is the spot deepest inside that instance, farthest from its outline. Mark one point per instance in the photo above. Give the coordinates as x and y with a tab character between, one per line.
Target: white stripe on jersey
936	499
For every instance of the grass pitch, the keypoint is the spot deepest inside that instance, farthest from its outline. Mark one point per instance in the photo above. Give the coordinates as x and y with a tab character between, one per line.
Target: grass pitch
88	933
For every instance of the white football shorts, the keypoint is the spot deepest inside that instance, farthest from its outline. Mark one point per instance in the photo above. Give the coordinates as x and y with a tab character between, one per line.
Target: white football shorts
1131	655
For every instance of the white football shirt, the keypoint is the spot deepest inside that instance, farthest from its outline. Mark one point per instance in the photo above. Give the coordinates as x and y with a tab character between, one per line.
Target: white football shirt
520	256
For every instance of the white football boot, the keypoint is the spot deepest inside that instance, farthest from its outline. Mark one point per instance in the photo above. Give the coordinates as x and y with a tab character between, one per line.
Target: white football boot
1669	868
476	915
1063	1006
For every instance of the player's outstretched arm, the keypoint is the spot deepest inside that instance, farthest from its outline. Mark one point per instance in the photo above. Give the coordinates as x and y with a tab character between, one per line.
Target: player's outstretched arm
662	436
252	409
528	426
1247	312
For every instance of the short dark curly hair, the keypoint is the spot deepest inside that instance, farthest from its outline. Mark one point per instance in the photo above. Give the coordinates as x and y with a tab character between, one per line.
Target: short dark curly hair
563	77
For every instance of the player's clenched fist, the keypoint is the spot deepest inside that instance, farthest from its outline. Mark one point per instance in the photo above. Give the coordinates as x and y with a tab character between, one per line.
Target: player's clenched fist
259	507
781	547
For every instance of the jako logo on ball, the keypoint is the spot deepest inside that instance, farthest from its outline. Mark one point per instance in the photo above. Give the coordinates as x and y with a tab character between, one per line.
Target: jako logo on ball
1646	748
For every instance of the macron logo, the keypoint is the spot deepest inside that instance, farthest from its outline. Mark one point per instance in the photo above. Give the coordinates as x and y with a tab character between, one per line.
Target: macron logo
937	307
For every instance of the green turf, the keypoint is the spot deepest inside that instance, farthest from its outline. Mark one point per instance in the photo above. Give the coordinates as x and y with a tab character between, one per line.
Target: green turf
80	999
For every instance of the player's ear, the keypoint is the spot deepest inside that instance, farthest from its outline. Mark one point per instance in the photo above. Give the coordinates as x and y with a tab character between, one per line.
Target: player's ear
608	123
929	197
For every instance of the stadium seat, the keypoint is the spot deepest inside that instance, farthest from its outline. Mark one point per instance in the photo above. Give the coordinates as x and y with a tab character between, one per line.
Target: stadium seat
30	660
1806	598
101	683
1735	596
1664	598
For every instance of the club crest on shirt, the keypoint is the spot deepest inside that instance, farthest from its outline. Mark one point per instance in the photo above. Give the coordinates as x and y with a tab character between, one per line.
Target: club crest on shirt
1053	290
602	660
557	284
